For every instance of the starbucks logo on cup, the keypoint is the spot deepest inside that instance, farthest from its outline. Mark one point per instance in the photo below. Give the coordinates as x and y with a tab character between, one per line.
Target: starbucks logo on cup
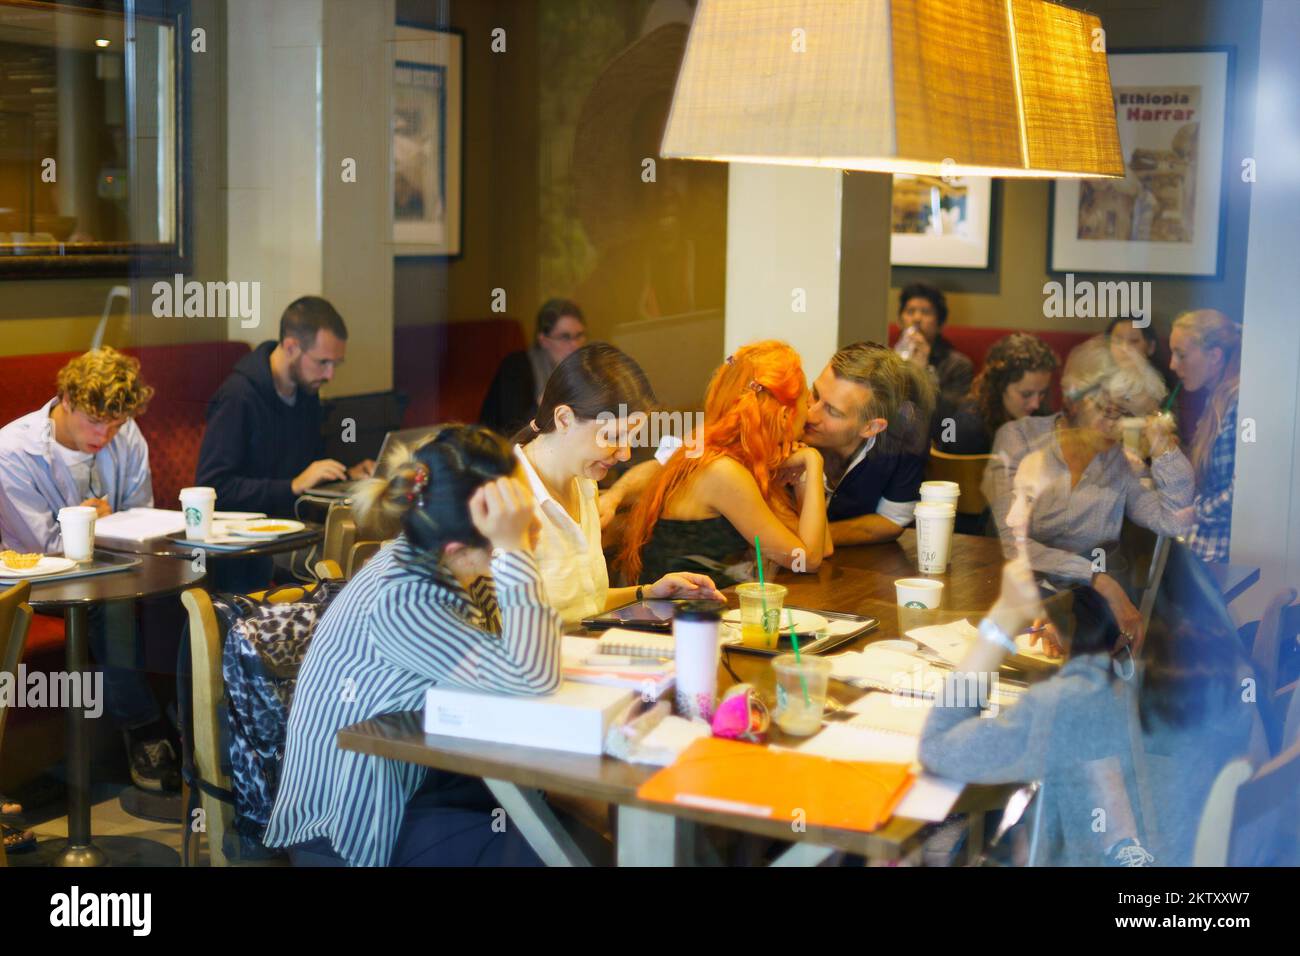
193	517
771	620
916	604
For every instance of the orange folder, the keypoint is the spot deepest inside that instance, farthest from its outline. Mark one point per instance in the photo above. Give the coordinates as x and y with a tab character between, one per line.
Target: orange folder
734	777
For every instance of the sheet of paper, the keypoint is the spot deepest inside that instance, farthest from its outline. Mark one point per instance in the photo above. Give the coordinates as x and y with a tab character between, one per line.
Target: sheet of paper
896	713
841	741
140	524
887	670
950	641
930	798
1034	651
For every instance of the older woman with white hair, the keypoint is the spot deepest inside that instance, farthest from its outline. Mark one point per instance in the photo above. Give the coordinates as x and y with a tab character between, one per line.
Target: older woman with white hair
1061	485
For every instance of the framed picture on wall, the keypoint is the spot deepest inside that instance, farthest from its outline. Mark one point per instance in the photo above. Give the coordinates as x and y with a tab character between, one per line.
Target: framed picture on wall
942	222
427	137
1164	217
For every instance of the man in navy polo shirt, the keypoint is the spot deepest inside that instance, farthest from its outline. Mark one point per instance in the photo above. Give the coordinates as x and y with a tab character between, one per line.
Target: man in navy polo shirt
869	416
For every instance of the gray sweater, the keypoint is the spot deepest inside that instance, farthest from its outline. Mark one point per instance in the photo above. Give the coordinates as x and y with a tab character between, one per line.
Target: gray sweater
1067	729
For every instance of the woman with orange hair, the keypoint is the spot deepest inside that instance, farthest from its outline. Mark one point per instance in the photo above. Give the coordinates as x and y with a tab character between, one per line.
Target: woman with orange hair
714	503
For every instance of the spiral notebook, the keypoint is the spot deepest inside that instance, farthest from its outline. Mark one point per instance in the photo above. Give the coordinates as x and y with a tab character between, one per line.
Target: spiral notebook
620	640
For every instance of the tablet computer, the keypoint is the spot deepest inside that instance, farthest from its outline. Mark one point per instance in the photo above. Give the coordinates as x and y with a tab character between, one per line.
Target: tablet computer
647	615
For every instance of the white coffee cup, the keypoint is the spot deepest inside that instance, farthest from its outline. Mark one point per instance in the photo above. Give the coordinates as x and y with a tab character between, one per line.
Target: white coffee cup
77	523
942	491
198	505
919	593
934	524
695	653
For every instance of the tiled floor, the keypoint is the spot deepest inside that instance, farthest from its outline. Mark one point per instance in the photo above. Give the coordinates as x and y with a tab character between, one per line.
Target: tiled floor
127	839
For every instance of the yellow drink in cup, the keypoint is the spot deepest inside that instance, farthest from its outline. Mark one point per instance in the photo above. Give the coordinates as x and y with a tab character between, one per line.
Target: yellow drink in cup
800	693
760	614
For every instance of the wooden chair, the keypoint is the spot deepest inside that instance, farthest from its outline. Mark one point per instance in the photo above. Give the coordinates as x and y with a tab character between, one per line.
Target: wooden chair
208	697
967	471
340	533
328	569
361	552
1265	805
15	619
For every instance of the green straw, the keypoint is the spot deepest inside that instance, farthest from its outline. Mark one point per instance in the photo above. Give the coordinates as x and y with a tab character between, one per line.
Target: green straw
1169	402
803	681
762	588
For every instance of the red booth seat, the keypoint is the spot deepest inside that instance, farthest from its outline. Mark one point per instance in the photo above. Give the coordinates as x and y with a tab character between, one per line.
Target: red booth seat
445	368
184	378
975	342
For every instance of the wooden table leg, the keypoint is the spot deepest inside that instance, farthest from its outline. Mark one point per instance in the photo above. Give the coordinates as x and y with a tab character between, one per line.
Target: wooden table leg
538	824
646	838
80	851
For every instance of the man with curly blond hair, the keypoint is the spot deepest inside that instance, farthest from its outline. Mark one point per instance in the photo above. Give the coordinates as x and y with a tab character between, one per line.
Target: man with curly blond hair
83	447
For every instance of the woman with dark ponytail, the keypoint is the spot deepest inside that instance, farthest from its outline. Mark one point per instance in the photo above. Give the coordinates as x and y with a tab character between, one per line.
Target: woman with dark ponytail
593	409
456	598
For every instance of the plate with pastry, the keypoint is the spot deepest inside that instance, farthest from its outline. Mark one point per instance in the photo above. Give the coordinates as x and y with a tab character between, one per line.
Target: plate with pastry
264	527
15	564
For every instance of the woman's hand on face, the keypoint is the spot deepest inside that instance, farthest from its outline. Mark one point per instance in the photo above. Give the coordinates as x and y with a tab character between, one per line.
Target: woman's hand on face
685	584
804	460
502	511
1128	617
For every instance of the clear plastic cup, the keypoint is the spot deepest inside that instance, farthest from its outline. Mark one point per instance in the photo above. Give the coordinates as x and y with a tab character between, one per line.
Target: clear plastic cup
800	693
760	614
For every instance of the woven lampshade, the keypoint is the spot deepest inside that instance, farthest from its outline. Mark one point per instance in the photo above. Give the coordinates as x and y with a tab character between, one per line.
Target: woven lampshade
948	87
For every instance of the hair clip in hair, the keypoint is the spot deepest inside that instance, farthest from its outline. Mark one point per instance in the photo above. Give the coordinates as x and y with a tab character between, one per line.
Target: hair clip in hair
731	360
533	425
755	386
419	481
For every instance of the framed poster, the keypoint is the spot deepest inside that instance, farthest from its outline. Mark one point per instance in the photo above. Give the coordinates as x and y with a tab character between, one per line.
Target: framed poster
1164	216
427	142
941	222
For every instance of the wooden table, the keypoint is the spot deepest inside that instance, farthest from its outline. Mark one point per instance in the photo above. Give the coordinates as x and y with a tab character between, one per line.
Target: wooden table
153	577
858	580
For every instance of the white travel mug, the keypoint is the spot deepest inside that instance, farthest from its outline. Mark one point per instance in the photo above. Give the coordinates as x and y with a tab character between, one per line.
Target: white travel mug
198	505
695	641
934	524
77	524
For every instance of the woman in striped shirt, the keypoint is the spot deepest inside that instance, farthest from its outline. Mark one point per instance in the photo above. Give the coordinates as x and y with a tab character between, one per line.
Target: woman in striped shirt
456	597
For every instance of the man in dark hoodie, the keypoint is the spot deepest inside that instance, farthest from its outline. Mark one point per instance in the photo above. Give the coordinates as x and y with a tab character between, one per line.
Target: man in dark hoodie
263	446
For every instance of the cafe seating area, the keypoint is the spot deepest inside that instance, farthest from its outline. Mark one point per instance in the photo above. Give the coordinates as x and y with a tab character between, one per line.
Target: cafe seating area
502	434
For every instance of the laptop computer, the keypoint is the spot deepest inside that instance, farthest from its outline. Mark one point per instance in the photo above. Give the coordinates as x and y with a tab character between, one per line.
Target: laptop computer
342	490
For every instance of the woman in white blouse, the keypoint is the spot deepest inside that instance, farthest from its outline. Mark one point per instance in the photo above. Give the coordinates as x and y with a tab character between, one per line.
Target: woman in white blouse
593	408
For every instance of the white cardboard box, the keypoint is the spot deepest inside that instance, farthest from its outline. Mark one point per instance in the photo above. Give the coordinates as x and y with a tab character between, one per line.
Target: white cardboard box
574	718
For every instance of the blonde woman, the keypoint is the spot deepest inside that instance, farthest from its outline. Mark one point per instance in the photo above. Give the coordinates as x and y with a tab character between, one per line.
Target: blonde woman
1079	485
1206	347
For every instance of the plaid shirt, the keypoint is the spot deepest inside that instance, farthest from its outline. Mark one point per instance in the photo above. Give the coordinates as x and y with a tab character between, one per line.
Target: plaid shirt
1212	508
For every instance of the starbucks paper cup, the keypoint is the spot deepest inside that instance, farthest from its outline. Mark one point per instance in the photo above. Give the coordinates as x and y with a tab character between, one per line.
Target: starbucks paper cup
934	524
77	525
919	593
198	505
946	492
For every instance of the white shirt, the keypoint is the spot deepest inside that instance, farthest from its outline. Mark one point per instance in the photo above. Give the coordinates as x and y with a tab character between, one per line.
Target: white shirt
80	463
569	552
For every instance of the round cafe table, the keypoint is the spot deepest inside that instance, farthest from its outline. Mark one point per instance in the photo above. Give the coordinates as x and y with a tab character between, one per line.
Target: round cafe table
152	577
